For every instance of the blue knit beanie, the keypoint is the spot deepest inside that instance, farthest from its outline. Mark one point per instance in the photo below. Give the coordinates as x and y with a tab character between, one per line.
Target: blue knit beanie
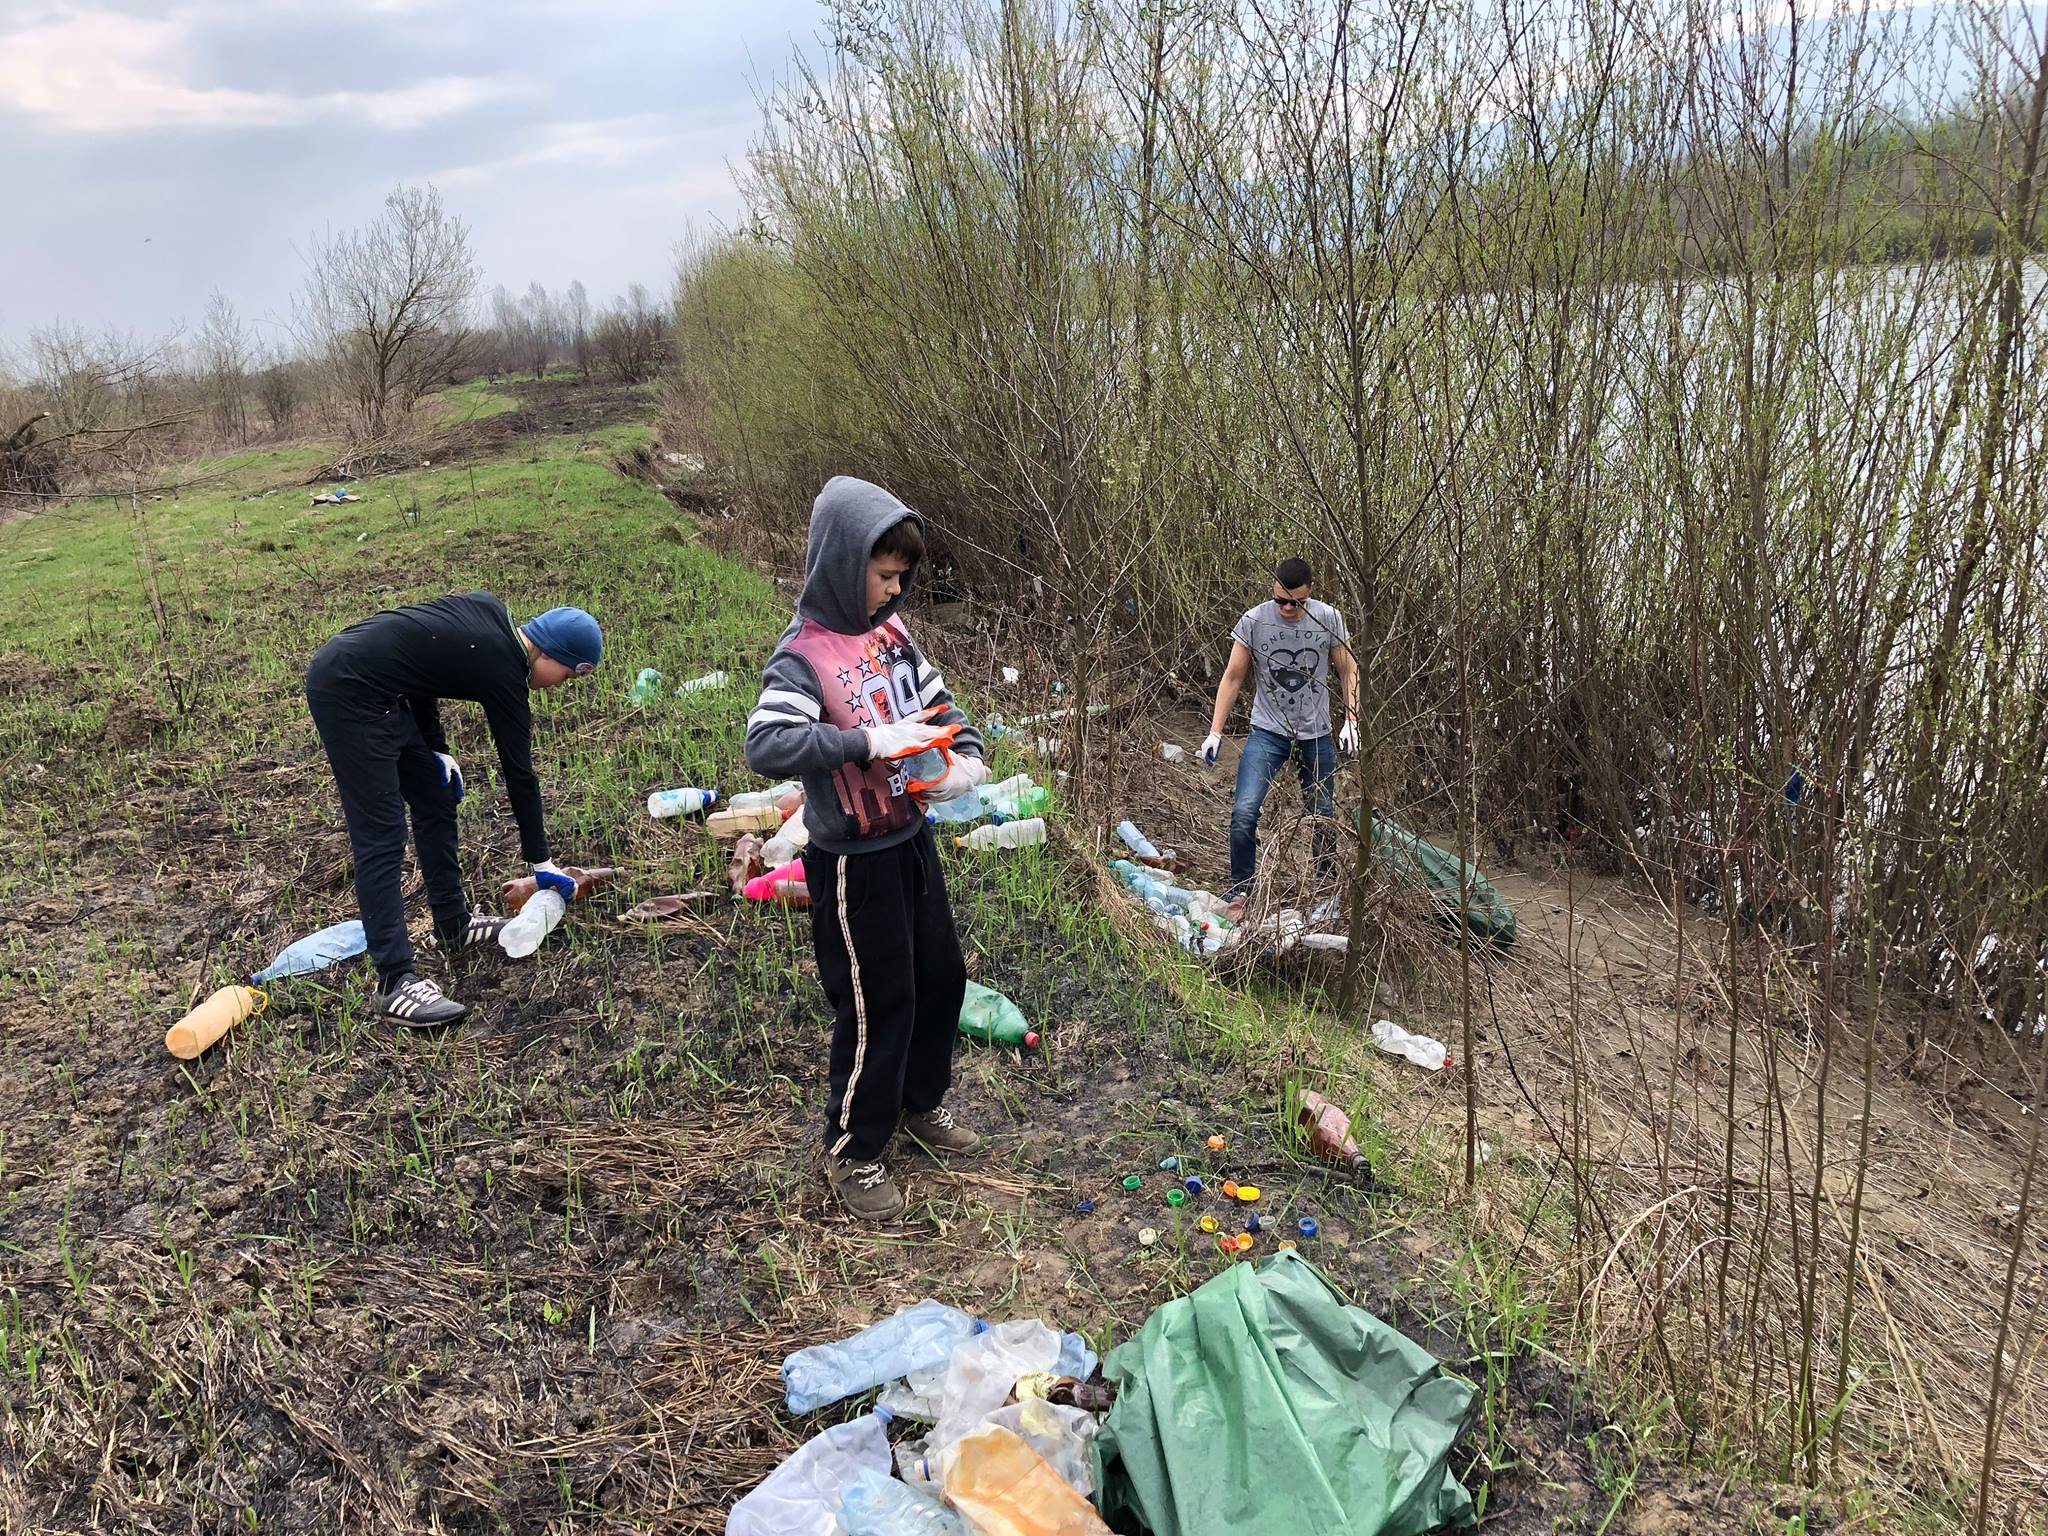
570	636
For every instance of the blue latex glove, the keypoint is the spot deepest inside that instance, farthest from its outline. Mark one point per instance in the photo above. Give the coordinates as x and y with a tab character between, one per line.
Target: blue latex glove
549	877
451	774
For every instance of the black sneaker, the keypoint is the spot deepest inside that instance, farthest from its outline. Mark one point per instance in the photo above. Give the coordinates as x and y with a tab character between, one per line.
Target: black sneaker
481	930
419	1003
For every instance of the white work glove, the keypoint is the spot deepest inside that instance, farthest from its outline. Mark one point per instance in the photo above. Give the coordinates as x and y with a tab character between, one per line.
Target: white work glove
962	774
451	774
549	877
1347	736
907	738
1211	745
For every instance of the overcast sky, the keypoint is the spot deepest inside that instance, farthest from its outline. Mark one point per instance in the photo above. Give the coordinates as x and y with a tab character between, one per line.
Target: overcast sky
154	152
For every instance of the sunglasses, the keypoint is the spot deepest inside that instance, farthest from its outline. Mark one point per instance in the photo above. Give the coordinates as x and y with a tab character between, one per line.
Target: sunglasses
1290	602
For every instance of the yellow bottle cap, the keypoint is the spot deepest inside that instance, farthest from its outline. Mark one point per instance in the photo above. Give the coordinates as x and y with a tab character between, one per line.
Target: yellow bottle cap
1242	1241
1207	1223
1246	1192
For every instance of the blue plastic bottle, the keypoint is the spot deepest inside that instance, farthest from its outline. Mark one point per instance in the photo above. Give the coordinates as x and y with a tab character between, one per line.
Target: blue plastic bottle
877	1505
315	952
922	1334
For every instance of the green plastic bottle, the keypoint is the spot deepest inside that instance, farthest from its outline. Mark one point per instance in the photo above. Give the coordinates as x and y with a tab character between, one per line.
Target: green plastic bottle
990	1016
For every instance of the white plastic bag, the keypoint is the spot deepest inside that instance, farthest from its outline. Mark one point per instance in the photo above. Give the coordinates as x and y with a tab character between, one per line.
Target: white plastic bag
1426	1053
801	1497
984	1371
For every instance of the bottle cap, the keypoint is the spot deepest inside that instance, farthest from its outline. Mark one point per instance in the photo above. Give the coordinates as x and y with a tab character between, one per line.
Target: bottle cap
1207	1223
1083	1207
1174	1197
1192	1184
1147	1237
1229	1189
1169	1164
1251	1222
1285	1245
1225	1245
1247	1192
1132	1181
1215	1143
1242	1242
1030	1039
1306	1226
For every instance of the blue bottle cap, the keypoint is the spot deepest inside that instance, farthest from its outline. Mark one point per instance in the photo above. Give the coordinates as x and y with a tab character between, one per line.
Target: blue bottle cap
1251	1222
1306	1226
1083	1207
1169	1164
1192	1184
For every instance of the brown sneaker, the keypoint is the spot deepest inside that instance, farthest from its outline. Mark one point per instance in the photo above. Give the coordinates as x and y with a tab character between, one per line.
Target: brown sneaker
940	1134
864	1189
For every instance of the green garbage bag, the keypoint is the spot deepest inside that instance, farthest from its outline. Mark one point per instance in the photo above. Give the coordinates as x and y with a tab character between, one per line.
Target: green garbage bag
1264	1402
1438	871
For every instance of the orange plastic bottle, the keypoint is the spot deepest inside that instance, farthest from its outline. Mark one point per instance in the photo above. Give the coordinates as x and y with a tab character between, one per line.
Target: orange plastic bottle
1007	1489
1328	1129
211	1019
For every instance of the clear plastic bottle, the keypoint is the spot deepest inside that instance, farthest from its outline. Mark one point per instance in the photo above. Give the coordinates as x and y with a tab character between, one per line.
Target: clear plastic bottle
762	799
927	767
536	920
703	684
680	802
1031	800
876	1504
1007	788
646	687
316	951
802	1496
731	823
1136	841
1028	833
920	1335
985	1014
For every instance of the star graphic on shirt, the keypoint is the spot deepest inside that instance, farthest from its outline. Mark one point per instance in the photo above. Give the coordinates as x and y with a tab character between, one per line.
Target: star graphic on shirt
853	702
867	668
845	678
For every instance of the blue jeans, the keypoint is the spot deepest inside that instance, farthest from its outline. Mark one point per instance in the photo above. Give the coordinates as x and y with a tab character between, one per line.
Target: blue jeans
1265	752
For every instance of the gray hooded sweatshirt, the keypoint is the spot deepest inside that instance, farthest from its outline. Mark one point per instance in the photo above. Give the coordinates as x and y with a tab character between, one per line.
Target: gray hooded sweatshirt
839	669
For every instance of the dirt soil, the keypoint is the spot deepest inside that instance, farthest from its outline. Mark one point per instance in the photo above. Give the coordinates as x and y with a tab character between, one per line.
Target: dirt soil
539	1271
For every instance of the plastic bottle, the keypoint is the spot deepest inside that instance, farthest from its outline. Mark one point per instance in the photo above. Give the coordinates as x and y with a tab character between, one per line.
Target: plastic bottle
876	1504
1136	841
646	687
1007	1489
731	823
802	1496
920	1335
702	684
985	1014
1007	789
762	799
680	802
961	808
927	767
536	920
221	1012
1329	1130
1031	800
1428	1054
316	951
763	887
789	842
1028	833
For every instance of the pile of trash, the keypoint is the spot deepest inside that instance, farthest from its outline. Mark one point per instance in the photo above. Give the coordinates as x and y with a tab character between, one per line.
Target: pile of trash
1261	1402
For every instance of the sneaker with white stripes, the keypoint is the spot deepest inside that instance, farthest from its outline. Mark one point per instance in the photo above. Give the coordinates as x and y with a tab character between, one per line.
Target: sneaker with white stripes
481	929
420	1003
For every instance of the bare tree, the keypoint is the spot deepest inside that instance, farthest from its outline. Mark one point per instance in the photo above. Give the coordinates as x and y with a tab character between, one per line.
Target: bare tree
633	336
280	389
222	359
388	305
542	332
576	326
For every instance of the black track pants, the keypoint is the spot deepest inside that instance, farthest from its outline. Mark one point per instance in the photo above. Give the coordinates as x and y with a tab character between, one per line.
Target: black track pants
382	767
890	961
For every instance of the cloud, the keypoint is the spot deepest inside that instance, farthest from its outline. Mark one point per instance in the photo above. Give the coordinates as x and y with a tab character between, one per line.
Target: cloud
604	144
102	72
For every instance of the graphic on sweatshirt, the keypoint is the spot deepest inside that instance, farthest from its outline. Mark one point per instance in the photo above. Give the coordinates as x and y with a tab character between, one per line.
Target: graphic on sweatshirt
866	680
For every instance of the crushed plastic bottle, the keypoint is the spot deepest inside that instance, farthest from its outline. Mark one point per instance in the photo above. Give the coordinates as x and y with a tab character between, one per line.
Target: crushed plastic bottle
646	687
985	1014
731	823
704	684
315	952
1028	833
802	1496
1172	753
686	801
919	1336
1029	800
1429	1054
536	920
876	1504
767	887
1005	1488
1007	789
984	1369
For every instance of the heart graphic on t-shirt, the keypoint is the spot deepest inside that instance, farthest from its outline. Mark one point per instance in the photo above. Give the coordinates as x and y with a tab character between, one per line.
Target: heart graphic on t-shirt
1286	670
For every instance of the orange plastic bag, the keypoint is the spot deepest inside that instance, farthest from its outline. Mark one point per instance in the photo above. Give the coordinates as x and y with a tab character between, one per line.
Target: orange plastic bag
1007	1489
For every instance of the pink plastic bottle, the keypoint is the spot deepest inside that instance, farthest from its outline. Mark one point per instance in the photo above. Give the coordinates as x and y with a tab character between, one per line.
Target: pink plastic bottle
763	887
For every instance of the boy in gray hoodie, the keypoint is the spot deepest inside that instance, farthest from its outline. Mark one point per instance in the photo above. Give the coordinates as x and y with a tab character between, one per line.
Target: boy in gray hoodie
846	701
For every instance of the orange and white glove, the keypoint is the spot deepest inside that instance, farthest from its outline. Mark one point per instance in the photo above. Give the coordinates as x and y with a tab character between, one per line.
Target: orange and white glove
907	738
963	772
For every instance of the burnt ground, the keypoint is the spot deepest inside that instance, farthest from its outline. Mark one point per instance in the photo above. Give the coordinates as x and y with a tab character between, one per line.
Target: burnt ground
539	1271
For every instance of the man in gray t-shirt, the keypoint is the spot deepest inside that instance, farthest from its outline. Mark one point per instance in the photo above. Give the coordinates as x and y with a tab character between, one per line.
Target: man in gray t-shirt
1291	645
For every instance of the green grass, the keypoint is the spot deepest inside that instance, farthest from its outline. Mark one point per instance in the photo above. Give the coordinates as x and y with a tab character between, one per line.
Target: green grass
477	399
